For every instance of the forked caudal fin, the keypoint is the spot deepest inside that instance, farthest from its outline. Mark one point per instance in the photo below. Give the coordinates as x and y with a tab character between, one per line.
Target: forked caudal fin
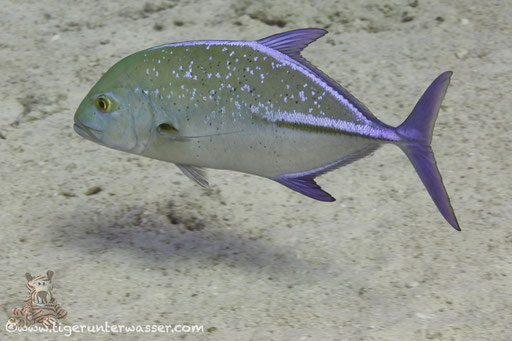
417	133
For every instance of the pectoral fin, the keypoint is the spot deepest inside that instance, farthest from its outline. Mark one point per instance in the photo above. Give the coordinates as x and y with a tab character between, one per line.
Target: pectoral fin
195	173
169	131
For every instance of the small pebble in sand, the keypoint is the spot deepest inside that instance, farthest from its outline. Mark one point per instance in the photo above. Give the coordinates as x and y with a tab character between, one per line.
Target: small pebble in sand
93	190
158	27
461	54
422	316
67	194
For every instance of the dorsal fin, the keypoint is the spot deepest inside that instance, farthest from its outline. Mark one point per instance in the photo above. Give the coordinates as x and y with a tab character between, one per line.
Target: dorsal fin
293	42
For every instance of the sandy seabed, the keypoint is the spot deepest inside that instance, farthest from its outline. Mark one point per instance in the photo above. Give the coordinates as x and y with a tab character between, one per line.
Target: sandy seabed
249	259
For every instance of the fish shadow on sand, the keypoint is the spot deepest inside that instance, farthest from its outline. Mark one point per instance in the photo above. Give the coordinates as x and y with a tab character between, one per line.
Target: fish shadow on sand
180	236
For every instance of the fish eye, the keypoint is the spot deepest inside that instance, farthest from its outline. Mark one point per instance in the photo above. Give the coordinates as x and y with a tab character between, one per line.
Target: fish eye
104	104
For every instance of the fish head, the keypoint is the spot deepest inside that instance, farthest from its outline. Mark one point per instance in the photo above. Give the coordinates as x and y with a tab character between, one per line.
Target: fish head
116	113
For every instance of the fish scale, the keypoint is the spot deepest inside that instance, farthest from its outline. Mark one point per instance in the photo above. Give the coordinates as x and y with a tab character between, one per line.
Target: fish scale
215	72
251	106
217	99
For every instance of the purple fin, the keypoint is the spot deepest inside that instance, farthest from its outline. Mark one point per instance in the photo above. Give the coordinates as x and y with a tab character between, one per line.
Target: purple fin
417	131
292	42
307	186
424	162
344	161
304	183
420	123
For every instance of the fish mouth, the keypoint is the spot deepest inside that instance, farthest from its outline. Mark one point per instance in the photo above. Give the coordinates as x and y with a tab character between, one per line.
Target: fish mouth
87	132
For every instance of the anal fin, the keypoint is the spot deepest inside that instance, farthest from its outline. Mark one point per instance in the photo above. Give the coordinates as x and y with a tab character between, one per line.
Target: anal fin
304	182
305	185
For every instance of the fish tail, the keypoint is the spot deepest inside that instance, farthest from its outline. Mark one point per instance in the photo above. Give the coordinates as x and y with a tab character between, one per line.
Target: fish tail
416	133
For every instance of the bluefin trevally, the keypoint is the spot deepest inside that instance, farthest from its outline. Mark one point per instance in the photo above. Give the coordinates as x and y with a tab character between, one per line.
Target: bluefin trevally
256	107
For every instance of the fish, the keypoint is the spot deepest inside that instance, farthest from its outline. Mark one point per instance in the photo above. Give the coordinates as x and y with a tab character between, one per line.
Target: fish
257	107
